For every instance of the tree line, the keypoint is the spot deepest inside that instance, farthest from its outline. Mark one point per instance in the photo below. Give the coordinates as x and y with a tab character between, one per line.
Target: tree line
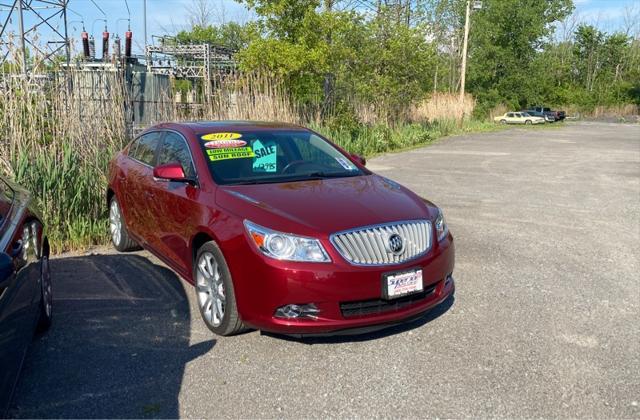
339	55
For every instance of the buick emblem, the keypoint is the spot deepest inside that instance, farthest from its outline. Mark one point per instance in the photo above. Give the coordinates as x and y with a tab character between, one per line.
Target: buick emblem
395	244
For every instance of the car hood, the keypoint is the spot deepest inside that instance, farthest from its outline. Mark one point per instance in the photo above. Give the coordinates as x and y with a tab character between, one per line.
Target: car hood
325	206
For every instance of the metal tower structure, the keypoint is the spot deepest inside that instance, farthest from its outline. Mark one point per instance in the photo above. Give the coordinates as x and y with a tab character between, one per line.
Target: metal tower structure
50	15
190	61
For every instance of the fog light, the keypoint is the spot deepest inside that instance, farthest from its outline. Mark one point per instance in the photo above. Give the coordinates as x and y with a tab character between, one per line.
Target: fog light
293	311
448	280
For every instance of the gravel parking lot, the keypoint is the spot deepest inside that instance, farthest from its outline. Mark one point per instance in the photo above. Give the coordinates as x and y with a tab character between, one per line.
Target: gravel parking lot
545	321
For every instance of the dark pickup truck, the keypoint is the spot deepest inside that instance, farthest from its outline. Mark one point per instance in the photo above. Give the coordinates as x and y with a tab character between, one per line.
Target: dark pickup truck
547	113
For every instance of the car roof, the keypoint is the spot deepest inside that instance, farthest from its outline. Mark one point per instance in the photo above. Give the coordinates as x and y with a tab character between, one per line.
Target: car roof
204	127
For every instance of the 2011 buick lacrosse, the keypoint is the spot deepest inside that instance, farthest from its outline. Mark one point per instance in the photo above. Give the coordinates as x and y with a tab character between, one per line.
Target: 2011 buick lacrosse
278	228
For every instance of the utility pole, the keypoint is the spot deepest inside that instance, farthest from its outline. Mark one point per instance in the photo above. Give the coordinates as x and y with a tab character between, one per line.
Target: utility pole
67	47
463	72
22	43
144	12
477	5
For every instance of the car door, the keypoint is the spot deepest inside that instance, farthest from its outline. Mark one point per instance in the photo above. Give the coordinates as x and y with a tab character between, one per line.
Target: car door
510	118
138	186
176	206
19	283
519	119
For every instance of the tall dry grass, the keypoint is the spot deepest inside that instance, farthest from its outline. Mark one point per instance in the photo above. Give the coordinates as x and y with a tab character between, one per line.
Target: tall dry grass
498	111
252	97
56	141
442	106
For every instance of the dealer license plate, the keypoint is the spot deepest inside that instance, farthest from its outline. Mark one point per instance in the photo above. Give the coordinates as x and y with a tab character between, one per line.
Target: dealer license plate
401	284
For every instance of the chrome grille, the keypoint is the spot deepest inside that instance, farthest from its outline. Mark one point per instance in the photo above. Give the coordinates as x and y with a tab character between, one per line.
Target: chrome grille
369	245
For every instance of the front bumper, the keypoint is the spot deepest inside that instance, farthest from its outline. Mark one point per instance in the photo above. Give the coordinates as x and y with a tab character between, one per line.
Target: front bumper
348	297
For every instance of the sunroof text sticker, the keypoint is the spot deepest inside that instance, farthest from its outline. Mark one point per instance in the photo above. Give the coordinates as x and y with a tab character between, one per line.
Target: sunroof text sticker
230	153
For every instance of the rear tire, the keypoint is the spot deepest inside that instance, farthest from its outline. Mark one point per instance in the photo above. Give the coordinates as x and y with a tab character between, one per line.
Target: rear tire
119	235
46	296
214	291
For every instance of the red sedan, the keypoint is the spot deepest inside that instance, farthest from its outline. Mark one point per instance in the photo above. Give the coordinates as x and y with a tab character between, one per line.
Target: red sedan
278	228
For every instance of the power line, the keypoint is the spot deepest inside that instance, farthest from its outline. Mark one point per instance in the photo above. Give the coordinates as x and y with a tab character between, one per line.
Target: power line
101	11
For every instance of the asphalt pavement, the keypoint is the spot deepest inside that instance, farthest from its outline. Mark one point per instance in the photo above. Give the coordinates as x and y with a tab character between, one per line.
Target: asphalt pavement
545	321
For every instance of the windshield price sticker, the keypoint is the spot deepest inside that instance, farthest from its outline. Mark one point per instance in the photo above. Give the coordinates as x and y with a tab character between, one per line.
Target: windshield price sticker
265	160
346	164
224	144
230	153
221	136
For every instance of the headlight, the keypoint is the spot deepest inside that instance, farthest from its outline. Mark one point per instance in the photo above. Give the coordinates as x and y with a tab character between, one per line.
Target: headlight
284	246
441	226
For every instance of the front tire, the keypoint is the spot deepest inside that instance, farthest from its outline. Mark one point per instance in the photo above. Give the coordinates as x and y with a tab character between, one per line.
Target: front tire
503	121
119	235
214	291
46	296
527	122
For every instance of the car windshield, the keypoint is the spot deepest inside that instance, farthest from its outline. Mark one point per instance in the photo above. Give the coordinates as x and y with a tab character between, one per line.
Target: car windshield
257	157
525	114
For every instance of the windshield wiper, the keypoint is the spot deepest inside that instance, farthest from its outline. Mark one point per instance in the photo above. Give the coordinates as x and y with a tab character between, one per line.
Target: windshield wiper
330	175
256	181
313	176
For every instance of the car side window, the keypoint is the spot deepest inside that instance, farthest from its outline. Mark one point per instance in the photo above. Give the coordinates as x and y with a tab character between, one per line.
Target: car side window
175	149
132	148
6	198
144	149
510	114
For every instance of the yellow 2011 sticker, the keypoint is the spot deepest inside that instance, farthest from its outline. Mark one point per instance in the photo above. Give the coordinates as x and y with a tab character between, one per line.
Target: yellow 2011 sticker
221	136
230	153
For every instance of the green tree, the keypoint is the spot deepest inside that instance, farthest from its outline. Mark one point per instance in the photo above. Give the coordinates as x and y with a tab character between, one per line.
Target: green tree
506	37
230	35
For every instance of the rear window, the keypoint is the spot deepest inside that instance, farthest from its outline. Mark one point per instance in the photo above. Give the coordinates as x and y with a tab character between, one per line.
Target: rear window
144	148
250	157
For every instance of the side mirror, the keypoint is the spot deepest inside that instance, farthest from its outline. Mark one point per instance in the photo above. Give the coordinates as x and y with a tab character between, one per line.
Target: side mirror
170	172
361	160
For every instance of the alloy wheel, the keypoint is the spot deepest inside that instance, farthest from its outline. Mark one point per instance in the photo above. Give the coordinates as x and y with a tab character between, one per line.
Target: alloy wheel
210	289
115	223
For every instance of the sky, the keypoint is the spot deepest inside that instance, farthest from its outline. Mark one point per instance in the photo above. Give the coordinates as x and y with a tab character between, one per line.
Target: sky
171	16
608	15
